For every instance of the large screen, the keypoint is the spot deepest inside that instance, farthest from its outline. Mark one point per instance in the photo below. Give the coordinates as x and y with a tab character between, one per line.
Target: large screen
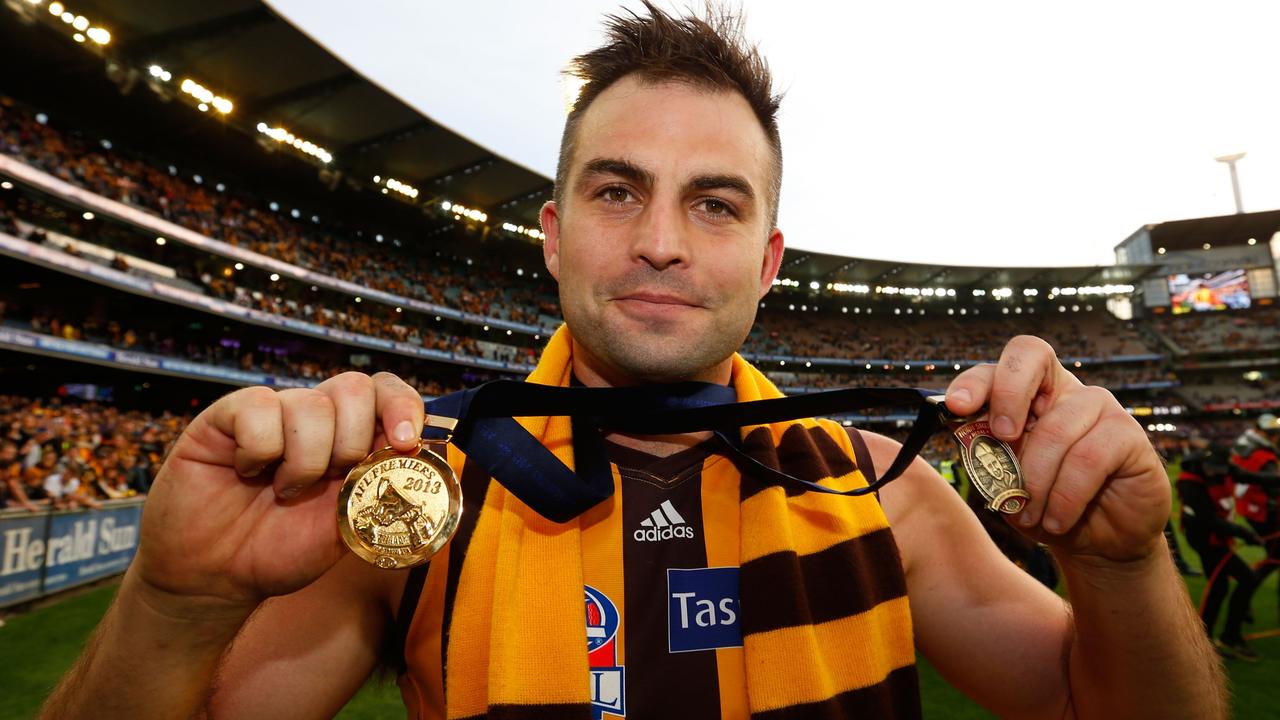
1227	290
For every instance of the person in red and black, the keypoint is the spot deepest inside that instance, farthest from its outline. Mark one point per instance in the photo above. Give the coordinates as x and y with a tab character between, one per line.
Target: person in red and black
1208	502
1256	466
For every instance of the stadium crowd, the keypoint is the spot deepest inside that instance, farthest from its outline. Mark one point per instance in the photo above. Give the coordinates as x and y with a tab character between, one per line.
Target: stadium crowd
936	335
1218	332
229	352
67	454
246	221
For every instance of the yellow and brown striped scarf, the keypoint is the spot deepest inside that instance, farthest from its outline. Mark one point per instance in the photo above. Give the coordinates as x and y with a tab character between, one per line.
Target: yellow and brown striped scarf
825	622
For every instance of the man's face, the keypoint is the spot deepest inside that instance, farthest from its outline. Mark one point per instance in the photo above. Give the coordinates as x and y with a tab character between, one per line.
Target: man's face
663	244
992	464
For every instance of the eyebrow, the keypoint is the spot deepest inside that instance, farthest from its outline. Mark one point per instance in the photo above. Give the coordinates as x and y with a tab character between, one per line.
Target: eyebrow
621	168
737	183
642	176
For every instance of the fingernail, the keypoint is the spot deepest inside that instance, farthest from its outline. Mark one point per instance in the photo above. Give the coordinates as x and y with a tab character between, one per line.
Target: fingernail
1002	425
253	471
1025	520
961	396
1052	525
404	431
290	492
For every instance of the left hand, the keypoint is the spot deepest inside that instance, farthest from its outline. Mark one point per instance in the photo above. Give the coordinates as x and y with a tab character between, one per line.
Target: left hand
1097	487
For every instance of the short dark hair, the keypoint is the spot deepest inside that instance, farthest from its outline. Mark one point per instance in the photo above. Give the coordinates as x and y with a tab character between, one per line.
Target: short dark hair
709	53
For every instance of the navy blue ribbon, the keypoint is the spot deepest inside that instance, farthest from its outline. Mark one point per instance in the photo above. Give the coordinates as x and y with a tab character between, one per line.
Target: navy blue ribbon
488	433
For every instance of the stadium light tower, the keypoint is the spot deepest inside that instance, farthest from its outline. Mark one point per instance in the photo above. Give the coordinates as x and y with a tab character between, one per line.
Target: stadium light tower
1231	160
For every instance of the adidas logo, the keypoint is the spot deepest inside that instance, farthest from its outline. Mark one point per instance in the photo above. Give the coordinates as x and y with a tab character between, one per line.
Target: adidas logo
663	523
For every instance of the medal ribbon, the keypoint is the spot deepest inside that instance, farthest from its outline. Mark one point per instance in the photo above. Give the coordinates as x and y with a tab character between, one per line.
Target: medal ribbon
488	433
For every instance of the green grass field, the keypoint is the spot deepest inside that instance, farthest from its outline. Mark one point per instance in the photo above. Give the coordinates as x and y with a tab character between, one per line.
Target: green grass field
37	647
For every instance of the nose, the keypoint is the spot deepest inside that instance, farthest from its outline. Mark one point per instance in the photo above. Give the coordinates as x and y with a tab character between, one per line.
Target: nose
660	238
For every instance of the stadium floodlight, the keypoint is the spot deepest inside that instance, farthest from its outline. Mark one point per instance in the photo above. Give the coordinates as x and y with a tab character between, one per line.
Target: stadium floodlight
6	185
80	23
285	137
1231	161
56	8
99	35
78	37
206	97
408	190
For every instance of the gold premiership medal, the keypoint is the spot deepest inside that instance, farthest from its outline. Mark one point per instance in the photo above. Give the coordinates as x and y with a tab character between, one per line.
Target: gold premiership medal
397	510
989	461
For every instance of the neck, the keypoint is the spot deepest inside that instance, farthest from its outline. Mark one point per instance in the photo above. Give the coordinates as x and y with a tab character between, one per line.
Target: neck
591	373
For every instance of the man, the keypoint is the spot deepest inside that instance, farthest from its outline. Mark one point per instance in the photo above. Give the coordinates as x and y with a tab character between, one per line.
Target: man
663	239
1208	504
1257	468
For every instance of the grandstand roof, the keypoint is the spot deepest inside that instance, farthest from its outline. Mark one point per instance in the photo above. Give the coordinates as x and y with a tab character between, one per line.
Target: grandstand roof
816	267
1224	230
227	46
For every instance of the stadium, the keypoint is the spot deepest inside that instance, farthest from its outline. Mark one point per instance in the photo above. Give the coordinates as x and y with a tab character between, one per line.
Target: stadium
182	215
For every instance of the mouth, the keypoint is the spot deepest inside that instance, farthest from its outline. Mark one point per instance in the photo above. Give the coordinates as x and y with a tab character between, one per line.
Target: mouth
657	299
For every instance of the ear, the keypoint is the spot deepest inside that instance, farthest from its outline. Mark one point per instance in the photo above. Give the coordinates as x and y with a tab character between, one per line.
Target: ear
549	216
772	261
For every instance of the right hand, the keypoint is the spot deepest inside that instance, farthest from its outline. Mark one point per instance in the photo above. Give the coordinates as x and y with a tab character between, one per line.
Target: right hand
245	506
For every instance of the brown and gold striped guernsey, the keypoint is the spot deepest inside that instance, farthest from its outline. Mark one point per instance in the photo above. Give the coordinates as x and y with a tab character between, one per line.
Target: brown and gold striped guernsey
675	587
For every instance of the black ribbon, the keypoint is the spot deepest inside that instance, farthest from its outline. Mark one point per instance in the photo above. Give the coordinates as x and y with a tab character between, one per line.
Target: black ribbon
488	433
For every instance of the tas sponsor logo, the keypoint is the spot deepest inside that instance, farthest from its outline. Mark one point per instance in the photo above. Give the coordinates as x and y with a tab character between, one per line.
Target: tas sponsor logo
702	609
664	523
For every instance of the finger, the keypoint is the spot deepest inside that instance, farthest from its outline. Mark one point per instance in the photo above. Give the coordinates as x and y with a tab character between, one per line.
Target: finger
1044	450
308	440
969	390
400	410
1028	368
353	398
1084	469
249	418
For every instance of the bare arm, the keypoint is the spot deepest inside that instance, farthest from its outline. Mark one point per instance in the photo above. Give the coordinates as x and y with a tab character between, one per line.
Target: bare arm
306	654
1131	646
245	509
989	628
169	650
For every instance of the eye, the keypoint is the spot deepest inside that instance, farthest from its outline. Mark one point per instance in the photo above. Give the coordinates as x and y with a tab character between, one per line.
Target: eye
716	207
615	195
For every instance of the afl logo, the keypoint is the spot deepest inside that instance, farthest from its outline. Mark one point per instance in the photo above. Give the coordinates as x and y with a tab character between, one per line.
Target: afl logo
602	619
